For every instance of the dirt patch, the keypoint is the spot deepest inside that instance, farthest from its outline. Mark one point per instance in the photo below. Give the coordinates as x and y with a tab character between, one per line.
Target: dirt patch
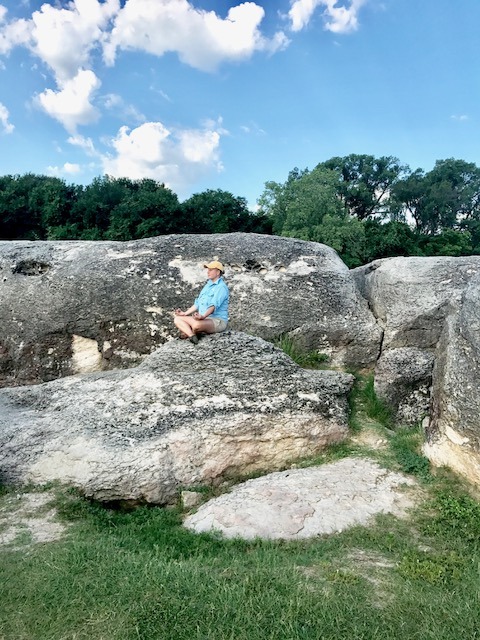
27	519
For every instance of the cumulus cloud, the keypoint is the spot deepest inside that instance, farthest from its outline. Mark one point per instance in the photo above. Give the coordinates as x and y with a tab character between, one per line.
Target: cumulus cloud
64	37
84	143
72	106
12	34
68	168
338	19
175	157
4	123
200	38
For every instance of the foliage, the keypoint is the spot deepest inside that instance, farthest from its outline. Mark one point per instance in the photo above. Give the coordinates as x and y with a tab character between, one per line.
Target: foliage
38	208
363	206
306	359
405	445
365	182
375	408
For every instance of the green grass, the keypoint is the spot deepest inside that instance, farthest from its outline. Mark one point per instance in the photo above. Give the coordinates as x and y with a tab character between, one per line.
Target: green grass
306	359
120	575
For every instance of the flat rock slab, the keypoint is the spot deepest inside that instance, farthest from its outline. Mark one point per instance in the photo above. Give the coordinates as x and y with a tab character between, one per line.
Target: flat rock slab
302	503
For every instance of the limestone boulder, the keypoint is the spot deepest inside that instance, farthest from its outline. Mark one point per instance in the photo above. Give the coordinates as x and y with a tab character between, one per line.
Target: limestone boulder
453	432
403	378
411	297
187	415
75	307
430	312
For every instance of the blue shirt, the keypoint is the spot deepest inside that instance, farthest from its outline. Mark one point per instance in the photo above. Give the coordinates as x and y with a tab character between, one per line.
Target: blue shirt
214	294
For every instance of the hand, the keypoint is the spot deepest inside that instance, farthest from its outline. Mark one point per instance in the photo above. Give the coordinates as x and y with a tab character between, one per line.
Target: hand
197	316
179	312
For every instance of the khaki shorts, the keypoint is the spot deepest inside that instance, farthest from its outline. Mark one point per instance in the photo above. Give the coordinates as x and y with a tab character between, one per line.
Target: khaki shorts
220	325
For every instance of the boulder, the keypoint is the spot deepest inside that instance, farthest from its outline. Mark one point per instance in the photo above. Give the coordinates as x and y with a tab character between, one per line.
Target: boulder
187	415
411	297
453	432
76	307
429	310
403	378
303	503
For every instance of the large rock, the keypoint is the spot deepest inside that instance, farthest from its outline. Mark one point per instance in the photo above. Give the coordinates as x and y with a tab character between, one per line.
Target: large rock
188	415
429	309
453	433
411	297
303	503
73	307
403	378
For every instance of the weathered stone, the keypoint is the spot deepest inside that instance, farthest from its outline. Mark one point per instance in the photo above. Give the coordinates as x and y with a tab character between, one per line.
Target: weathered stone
302	503
187	415
411	297
403	378
454	428
70	307
431	304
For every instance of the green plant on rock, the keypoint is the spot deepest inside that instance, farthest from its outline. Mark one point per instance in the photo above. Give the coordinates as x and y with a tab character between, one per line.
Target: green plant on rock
306	359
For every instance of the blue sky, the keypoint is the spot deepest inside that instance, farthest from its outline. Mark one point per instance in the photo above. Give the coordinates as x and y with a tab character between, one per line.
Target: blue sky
212	94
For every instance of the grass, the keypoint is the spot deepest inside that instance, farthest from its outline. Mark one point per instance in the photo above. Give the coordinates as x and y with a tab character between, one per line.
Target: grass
134	575
306	359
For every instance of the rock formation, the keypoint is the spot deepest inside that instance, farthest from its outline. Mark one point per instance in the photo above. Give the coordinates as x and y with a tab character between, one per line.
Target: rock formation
73	307
429	309
188	415
79	307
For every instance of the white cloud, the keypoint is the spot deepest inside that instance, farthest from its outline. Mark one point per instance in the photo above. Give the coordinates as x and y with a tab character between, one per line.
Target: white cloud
7	126
12	34
84	143
200	38
114	102
64	37
67	169
460	118
177	158
72	106
338	19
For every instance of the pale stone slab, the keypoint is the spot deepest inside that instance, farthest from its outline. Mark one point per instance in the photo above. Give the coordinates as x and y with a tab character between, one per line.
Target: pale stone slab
302	503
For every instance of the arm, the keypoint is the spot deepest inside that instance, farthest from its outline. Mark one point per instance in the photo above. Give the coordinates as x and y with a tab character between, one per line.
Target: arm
205	315
179	312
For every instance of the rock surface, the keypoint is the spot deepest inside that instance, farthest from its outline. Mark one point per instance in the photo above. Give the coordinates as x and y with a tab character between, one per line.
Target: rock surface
302	503
188	415
453	432
403	378
75	307
429	309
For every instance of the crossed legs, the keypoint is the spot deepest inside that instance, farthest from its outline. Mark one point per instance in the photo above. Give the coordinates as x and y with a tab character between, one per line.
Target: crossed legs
191	326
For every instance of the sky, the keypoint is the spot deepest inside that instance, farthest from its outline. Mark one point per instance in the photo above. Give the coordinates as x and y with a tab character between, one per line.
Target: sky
209	94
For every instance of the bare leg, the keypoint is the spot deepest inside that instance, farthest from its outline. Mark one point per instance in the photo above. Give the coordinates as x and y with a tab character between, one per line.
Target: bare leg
190	325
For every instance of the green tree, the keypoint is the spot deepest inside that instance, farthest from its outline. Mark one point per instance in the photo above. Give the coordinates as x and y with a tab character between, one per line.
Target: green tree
365	182
149	209
218	211
394	238
444	198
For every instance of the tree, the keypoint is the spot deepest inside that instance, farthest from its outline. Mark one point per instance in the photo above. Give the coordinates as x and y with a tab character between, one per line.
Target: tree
394	238
365	182
443	198
218	211
149	209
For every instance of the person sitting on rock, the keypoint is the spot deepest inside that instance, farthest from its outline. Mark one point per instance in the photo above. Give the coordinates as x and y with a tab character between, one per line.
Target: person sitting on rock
209	312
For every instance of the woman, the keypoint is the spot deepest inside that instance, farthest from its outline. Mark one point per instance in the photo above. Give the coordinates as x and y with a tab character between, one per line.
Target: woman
209	312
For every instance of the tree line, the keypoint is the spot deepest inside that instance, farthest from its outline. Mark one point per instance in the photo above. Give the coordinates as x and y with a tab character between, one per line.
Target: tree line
36	207
362	206
367	207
